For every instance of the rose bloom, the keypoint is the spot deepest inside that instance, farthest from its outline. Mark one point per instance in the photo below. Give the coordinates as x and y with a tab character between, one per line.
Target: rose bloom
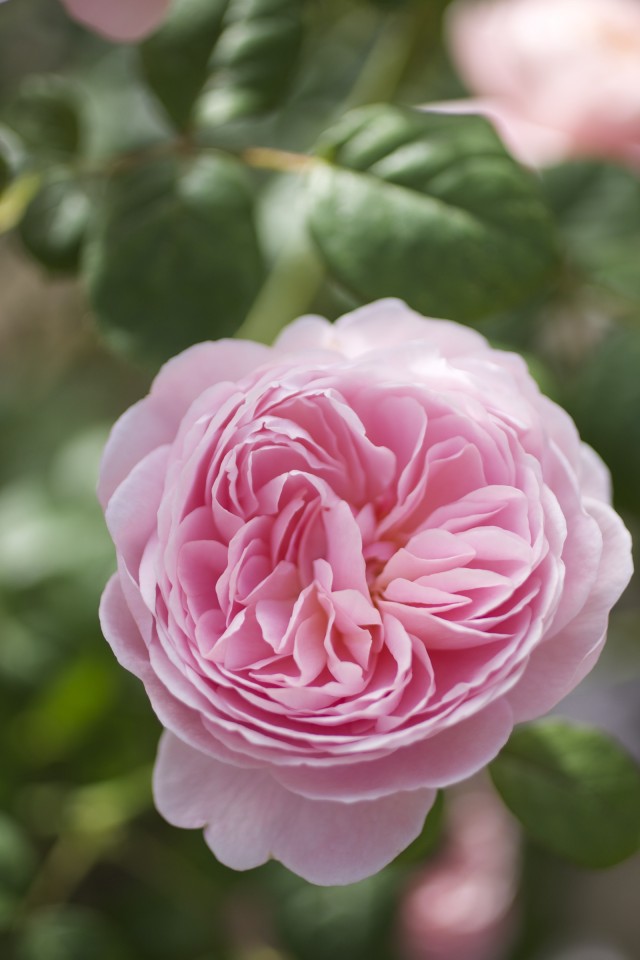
559	78
120	20
347	565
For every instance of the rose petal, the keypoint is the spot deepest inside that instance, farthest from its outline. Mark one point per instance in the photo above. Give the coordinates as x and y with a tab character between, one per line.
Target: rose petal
249	818
155	420
446	758
563	660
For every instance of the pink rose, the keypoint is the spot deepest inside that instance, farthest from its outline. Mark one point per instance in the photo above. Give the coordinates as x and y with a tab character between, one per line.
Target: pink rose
122	20
560	78
347	565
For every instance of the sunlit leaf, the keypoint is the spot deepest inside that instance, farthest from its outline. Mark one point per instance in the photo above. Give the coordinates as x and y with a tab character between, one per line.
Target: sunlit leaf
430	208
574	790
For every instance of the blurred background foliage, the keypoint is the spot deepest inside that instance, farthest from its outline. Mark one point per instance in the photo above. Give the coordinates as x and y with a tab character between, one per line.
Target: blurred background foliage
154	196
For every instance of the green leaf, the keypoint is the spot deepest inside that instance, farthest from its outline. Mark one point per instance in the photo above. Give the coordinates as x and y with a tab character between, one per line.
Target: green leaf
430	208
604	399
575	791
254	58
55	223
68	711
354	921
5	171
247	49
598	211
46	115
68	933
175	256
175	60
17	856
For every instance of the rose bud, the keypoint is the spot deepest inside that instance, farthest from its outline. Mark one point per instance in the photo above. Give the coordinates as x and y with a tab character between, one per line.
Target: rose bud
347	565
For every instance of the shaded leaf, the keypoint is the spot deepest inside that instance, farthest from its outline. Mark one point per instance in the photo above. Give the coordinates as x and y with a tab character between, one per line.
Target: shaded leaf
574	790
430	208
355	921
5	171
598	211
68	710
174	258
245	50
17	856
46	115
604	399
55	223
175	60
68	933
254	58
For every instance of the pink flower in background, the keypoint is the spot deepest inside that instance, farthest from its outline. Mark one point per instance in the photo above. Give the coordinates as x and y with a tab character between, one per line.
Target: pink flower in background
461	905
560	78
121	20
347	565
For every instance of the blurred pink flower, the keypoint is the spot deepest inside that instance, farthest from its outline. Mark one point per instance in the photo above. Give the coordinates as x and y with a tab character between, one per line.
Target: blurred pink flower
122	20
559	78
347	565
461	905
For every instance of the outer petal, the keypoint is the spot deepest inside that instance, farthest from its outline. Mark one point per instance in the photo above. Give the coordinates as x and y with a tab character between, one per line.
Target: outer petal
563	660
123	634
378	326
121	630
439	761
250	818
123	20
132	514
595	479
155	420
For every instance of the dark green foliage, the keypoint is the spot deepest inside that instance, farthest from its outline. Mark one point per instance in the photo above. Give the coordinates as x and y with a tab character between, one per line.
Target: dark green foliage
175	60
574	789
316	923
55	223
174	258
604	398
597	207
255	58
432	209
5	170
68	933
247	49
46	115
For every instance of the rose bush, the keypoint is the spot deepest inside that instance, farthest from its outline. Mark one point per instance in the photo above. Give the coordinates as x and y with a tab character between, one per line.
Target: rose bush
121	20
347	565
559	78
